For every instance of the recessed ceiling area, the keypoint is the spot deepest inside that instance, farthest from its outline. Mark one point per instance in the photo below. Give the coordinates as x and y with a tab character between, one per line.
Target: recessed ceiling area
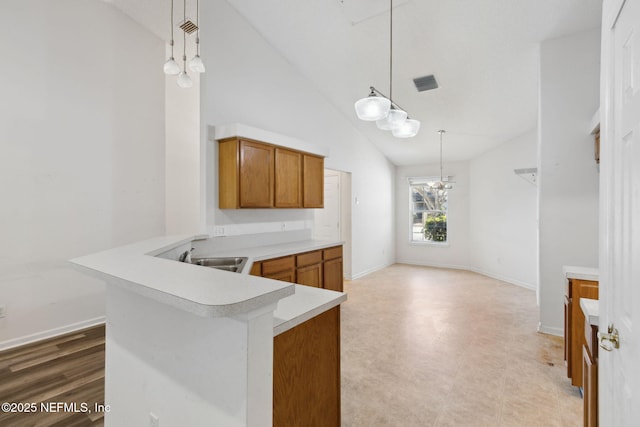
484	54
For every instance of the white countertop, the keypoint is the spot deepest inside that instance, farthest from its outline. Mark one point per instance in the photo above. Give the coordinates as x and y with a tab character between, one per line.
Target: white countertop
591	310
582	273
208	291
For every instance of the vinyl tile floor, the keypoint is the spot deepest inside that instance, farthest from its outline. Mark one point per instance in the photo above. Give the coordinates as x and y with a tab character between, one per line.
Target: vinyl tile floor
436	347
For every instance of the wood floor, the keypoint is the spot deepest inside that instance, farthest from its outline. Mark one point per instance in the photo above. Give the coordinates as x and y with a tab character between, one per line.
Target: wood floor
45	375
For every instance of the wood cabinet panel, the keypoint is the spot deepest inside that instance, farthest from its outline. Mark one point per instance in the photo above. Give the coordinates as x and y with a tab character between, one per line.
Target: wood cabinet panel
332	253
228	174
256	269
310	275
574	335
308	258
333	275
313	181
276	265
590	388
256	175
288	180
285	276
306	373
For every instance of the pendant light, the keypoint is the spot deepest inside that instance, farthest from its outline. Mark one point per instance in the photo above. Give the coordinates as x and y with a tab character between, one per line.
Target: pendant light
442	184
373	107
171	67
184	81
196	65
377	107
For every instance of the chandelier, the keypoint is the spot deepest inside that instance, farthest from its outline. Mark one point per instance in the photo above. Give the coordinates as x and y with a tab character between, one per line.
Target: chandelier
196	65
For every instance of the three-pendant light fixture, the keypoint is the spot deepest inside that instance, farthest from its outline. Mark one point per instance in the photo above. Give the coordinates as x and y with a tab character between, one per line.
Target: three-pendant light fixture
196	65
377	107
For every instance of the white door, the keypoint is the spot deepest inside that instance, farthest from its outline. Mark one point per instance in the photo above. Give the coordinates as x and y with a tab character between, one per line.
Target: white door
619	369
327	220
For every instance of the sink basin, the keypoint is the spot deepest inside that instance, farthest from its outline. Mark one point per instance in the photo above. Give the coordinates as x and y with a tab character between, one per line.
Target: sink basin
235	264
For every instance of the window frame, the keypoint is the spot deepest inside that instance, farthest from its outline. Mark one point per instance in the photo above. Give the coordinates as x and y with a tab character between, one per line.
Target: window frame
414	181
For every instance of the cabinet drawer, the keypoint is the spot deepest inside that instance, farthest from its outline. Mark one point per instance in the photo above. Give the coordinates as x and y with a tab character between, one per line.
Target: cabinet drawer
309	258
276	265
331	253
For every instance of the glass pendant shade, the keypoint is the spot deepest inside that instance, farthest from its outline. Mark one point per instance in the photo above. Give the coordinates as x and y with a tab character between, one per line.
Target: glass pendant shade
171	67
394	119
408	129
372	108
184	81
196	65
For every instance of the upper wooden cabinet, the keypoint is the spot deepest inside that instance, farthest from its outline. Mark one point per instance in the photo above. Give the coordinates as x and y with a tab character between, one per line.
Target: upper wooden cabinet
288	178
254	174
313	181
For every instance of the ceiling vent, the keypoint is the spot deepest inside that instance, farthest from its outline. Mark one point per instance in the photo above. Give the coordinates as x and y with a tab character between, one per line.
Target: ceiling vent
188	26
425	83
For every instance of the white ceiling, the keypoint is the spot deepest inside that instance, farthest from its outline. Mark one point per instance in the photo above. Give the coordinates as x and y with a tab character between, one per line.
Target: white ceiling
484	54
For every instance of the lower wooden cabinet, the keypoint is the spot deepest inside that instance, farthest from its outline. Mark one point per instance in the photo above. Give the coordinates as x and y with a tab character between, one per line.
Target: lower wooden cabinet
590	376
574	325
321	268
306	373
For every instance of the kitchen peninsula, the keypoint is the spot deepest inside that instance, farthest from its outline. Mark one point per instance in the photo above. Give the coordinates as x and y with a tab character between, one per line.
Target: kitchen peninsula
190	345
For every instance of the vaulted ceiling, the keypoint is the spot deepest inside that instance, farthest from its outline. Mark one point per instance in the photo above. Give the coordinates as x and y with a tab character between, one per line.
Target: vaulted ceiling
484	54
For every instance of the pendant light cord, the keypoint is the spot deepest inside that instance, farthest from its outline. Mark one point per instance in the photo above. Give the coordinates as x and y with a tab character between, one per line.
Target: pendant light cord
391	49
198	27
184	37
171	28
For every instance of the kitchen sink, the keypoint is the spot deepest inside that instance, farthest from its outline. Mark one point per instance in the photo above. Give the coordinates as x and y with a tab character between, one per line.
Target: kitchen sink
235	264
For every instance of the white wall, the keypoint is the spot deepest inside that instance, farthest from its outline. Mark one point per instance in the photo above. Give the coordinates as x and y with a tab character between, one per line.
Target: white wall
183	166
456	253
249	82
81	155
503	221
568	180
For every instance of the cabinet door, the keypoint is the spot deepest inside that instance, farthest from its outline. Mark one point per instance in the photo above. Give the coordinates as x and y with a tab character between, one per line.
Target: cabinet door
581	289
306	373
256	175
310	275
313	181
333	274
285	276
288	179
590	389
567	335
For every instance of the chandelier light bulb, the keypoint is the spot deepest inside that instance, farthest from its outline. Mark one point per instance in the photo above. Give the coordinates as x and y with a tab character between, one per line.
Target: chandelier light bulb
184	81
372	108
171	67
394	119
196	65
408	129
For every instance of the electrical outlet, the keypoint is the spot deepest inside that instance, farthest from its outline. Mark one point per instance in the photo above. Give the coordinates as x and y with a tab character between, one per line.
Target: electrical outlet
3	311
218	231
153	420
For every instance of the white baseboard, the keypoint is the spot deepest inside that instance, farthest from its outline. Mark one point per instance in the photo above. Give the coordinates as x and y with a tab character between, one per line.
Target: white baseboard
371	270
473	269
431	264
504	278
28	339
559	332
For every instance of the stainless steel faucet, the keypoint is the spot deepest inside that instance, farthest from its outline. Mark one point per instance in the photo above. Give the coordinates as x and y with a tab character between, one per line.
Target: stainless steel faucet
186	256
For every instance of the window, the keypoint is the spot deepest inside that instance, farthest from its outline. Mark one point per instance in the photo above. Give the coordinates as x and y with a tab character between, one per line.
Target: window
428	210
